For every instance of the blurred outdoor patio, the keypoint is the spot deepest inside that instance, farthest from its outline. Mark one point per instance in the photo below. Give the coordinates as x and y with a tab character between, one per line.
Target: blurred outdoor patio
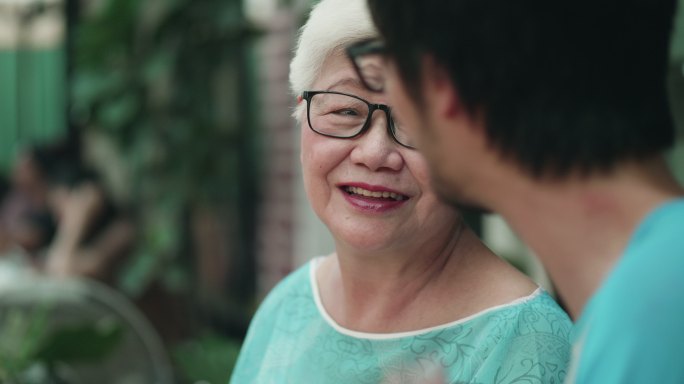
170	123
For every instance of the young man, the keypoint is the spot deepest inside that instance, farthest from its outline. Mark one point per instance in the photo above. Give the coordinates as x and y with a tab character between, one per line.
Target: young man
555	115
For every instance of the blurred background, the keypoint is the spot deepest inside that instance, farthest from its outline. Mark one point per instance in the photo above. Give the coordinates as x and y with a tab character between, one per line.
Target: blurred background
147	146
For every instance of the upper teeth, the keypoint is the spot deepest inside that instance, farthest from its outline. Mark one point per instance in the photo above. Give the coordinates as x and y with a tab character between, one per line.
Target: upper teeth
376	194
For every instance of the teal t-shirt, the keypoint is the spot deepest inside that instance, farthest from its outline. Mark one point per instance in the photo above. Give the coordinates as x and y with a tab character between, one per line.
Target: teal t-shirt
293	340
632	329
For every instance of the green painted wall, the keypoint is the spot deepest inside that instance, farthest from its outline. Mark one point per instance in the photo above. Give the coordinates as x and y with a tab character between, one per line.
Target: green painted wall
32	99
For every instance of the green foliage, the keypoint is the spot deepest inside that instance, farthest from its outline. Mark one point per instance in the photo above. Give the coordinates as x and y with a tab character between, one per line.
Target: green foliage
29	350
21	334
165	79
84	342
145	74
209	358
677	52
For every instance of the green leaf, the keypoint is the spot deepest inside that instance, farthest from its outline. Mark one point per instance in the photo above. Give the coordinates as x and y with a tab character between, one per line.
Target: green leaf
677	52
119	112
138	273
208	358
89	86
158	65
84	342
21	333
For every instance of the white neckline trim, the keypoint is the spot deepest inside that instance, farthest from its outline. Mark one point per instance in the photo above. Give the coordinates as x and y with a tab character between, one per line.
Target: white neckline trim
315	263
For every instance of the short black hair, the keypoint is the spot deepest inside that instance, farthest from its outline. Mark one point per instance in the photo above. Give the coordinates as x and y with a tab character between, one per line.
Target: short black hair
61	165
562	85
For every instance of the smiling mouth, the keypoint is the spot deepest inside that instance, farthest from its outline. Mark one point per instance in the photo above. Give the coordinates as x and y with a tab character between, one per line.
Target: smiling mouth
380	195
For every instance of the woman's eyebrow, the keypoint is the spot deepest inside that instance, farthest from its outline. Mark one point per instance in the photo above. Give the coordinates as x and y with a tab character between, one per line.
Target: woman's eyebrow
347	81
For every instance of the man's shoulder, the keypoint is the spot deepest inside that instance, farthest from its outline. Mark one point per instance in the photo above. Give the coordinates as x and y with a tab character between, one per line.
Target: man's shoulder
661	230
634	319
653	263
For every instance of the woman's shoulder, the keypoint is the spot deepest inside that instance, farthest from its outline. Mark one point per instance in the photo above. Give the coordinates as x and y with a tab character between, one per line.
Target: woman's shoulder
528	338
536	313
285	310
295	286
541	301
536	327
525	338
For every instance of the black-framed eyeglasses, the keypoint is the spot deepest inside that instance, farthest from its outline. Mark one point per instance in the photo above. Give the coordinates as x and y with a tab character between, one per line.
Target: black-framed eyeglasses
344	116
368	57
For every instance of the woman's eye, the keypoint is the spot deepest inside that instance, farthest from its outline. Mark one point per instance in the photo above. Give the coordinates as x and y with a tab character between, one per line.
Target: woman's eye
347	112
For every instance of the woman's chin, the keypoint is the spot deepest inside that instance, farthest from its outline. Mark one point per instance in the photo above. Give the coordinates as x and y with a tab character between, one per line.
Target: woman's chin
372	241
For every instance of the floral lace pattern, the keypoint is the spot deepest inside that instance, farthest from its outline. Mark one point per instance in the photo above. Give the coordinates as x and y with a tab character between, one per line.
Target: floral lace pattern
291	342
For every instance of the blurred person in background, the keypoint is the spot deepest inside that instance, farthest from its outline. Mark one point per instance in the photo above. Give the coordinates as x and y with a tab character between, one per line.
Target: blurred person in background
5	241
92	236
555	115
25	222
410	293
59	215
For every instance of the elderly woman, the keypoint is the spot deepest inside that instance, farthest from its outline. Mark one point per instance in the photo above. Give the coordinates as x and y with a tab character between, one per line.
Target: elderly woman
410	294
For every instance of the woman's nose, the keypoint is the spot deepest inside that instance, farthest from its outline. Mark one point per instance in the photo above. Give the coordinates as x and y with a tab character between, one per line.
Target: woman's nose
376	149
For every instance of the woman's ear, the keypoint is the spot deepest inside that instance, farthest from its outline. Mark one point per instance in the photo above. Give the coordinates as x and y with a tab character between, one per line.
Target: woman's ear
299	99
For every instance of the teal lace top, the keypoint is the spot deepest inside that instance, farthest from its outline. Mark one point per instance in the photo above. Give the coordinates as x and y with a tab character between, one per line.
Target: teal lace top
293	340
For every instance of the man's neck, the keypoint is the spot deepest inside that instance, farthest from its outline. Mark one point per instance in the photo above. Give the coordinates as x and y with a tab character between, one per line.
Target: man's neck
580	226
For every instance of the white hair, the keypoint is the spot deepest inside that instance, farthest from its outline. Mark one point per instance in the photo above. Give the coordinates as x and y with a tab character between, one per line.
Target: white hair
331	27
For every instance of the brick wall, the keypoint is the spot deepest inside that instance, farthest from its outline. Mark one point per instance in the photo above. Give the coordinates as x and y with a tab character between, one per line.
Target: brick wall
275	228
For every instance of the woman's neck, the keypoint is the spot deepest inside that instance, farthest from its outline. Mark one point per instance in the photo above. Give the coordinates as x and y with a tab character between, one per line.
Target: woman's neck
366	289
425	285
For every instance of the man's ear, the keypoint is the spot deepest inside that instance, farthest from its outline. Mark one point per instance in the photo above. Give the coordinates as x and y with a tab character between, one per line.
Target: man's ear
439	91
